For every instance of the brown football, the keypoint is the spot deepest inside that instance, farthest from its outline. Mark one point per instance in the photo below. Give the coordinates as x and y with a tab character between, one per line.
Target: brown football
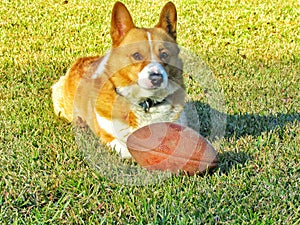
171	147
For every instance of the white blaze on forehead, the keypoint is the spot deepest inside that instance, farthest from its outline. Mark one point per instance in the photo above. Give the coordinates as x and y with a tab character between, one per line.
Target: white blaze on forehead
144	80
151	46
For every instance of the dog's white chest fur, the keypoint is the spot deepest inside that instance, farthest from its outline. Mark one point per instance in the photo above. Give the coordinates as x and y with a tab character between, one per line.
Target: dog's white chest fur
160	113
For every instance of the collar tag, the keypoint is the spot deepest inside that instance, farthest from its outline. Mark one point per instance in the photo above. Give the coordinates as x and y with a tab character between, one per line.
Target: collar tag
147	104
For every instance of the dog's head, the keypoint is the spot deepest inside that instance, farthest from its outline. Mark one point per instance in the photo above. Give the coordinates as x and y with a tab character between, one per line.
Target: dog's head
144	61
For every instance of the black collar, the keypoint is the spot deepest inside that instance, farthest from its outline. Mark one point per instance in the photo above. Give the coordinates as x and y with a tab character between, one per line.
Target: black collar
148	103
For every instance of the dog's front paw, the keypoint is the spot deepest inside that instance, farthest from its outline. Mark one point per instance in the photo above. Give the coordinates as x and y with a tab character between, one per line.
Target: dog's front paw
120	148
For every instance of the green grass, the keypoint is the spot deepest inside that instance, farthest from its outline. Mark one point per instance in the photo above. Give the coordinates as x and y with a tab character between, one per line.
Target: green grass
253	49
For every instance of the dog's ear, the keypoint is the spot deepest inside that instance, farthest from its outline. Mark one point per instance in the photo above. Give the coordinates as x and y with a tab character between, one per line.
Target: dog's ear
121	23
168	19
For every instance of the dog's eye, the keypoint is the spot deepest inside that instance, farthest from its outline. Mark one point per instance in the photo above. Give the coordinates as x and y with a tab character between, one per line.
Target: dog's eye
137	56
163	55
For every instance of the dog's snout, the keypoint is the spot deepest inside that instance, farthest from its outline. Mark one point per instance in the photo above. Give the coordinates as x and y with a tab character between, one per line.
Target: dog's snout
156	78
153	76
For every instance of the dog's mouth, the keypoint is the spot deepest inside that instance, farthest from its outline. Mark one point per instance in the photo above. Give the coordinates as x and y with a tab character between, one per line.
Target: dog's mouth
149	103
141	97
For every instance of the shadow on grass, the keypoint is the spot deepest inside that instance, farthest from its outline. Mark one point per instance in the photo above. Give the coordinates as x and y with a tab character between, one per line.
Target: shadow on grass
238	126
243	125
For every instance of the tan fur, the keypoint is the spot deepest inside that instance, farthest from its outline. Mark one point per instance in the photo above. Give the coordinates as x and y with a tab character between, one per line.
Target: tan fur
92	97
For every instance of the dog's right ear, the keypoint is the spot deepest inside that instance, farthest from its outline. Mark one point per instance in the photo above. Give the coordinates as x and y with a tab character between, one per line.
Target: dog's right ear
121	23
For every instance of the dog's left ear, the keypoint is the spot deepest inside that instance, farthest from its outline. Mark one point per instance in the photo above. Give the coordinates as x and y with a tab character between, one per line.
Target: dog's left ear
168	19
121	23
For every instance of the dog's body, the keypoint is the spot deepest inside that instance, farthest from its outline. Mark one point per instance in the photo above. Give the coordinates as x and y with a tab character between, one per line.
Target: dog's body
137	83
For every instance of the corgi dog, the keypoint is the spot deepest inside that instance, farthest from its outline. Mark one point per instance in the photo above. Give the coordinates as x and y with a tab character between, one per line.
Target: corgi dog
138	82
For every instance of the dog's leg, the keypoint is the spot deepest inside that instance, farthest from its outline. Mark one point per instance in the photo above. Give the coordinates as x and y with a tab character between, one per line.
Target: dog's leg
58	98
120	148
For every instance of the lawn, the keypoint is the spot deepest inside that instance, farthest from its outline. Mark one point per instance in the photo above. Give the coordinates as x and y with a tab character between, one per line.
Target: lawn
252	48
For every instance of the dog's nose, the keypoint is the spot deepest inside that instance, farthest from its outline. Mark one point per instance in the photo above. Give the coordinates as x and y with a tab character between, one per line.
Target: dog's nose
153	76
156	78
